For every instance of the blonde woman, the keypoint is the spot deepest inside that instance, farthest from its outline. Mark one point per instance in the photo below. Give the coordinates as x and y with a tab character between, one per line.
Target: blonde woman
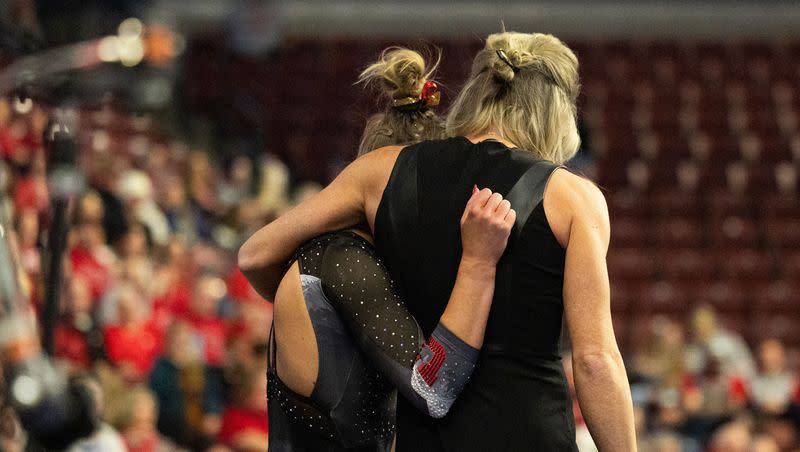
343	339
511	127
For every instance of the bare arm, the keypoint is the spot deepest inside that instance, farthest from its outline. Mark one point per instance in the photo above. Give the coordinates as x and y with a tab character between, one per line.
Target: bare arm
433	374
340	205
600	379
485	226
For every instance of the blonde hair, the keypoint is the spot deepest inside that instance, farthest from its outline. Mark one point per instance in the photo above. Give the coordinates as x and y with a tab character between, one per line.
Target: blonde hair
525	87
403	72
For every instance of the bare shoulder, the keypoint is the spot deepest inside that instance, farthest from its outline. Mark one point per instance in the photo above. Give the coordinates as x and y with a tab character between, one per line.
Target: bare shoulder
577	193
573	198
373	166
379	157
374	170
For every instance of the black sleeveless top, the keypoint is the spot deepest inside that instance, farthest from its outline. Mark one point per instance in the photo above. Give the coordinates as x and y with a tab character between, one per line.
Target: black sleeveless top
517	398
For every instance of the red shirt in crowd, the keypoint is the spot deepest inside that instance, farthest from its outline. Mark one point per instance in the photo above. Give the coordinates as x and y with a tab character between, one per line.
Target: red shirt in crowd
240	289
139	346
212	331
88	267
175	302
70	344
8	143
30	193
236	420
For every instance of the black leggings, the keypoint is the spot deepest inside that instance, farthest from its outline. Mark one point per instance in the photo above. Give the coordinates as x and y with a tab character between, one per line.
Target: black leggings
368	345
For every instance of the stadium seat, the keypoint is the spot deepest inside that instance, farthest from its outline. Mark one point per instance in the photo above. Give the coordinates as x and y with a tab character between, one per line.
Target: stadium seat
631	264
662	297
724	295
783	233
735	231
745	264
679	232
687	264
629	232
776	297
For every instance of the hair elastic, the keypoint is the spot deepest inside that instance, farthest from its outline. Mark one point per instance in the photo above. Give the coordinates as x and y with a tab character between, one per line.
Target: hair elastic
502	55
429	97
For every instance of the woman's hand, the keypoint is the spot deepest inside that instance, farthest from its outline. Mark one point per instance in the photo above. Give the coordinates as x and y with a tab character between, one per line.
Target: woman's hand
485	226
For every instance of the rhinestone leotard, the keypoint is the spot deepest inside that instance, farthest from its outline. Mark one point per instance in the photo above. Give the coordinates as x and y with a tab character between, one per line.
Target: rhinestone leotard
352	405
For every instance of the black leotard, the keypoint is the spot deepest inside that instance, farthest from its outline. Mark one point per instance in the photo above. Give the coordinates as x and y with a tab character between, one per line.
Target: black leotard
351	407
361	325
517	399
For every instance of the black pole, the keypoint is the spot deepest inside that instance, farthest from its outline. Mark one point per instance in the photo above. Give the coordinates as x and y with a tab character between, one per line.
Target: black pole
57	243
64	183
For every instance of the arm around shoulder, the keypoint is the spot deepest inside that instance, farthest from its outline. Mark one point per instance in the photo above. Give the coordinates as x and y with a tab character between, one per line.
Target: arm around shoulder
340	205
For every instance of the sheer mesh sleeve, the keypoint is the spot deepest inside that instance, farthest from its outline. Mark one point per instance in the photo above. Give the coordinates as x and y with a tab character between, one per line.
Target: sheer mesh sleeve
430	374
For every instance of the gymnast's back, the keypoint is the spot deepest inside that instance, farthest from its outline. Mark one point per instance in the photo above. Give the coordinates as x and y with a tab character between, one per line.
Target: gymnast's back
517	398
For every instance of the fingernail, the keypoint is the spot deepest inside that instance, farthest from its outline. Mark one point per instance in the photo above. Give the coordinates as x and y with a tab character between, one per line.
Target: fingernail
474	188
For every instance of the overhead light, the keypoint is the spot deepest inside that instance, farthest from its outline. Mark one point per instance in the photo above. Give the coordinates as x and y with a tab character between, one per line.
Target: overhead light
108	49
130	27
131	50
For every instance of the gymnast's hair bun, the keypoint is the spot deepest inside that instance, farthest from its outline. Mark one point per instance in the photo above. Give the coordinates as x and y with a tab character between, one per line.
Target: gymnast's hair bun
403	72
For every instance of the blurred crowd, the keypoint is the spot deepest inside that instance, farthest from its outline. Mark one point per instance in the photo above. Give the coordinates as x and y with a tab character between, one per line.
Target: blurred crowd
700	387
153	306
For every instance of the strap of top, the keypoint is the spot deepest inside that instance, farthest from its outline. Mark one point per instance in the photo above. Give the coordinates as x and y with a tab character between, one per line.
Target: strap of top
528	192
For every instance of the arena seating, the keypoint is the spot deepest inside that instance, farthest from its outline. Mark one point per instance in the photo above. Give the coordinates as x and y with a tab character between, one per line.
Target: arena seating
696	145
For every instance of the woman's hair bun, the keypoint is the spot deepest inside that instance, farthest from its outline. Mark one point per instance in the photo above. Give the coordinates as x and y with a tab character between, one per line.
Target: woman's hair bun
403	72
502	64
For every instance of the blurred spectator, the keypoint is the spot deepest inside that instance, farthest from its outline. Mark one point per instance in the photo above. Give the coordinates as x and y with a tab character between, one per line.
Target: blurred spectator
764	443
189	395
137	423
179	212
273	193
239	183
247	345
7	141
135	250
90	208
664	442
657	360
90	258
78	338
732	437
784	432
105	438
136	192
202	193
726	347
132	341
711	398
244	423
772	389
12	436
30	188
205	319
27	228
172	284
104	179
